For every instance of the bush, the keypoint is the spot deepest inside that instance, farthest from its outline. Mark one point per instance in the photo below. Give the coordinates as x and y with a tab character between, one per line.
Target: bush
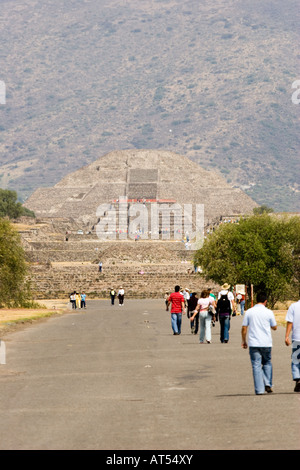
14	289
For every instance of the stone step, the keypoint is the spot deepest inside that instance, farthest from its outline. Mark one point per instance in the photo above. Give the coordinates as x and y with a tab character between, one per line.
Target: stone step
49	284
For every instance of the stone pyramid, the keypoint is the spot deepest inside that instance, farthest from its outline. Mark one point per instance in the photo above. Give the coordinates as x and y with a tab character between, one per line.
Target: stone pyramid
139	175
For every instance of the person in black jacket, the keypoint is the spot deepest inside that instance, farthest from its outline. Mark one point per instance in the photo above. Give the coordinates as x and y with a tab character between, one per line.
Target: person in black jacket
223	314
192	304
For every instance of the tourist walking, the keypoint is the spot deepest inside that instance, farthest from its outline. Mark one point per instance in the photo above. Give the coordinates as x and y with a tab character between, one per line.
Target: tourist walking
78	300
83	300
73	300
224	311
177	309
211	294
121	295
112	294
240	298
205	315
186	295
192	304
242	304
100	266
167	294
258	322
293	325
225	291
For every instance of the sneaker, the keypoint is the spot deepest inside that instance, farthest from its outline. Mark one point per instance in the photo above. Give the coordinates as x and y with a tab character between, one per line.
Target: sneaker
297	386
268	389
208	342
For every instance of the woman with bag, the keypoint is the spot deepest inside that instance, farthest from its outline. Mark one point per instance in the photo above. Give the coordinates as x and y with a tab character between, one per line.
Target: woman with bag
205	316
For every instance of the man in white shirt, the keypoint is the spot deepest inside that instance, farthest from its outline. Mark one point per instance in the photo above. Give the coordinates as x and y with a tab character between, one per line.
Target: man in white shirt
293	325
258	322
121	294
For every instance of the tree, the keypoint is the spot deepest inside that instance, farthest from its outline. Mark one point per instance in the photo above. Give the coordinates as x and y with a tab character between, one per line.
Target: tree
14	289
262	250
9	207
264	209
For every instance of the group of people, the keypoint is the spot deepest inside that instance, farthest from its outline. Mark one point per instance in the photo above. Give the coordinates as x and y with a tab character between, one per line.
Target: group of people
121	294
257	325
78	300
204	311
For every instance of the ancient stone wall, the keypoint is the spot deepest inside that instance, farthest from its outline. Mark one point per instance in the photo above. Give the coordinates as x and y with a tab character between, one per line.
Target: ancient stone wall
138	174
144	268
59	281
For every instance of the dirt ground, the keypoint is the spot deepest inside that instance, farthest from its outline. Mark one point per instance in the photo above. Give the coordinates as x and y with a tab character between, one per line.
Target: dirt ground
13	318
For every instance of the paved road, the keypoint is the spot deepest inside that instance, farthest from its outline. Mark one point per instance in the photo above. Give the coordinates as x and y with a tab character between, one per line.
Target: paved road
116	378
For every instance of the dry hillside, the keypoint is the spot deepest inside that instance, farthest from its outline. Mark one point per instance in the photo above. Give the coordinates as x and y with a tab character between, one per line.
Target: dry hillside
210	80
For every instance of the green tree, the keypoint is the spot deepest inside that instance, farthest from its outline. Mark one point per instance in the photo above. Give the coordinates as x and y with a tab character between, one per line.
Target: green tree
10	207
262	250
14	288
264	209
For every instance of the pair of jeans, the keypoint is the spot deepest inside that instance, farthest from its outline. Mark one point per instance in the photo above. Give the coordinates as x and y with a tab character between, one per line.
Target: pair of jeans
261	367
242	304
224	327
176	322
195	324
205	326
296	360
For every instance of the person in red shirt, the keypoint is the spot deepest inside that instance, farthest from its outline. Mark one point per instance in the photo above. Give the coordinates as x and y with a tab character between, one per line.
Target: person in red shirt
177	309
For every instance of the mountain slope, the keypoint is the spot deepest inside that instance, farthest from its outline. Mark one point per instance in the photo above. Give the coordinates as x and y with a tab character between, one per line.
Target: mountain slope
209	80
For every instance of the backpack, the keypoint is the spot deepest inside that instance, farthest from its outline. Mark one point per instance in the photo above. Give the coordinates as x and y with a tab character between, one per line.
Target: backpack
224	305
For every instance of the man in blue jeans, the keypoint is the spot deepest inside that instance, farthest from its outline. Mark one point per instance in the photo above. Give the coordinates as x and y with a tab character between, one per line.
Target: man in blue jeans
177	309
293	325
258	322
